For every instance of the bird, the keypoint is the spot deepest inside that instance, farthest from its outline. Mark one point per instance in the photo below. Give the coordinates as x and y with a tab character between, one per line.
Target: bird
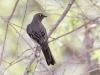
37	32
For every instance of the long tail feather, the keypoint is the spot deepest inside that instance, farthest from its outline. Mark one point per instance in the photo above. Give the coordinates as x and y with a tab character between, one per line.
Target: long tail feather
48	56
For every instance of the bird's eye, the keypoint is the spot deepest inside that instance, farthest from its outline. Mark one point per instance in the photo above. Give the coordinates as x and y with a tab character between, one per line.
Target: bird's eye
40	15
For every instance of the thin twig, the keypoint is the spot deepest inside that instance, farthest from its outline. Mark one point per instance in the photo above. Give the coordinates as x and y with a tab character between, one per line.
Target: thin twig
73	30
90	71
23	58
21	26
22	37
15	63
37	54
34	68
20	55
7	30
81	10
11	23
28	66
75	69
79	56
61	17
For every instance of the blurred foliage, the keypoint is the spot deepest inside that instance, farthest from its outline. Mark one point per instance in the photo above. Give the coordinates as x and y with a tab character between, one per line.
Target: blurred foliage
62	48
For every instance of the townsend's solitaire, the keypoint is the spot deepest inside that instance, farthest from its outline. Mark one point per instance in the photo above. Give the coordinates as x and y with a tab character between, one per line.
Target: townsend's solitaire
38	33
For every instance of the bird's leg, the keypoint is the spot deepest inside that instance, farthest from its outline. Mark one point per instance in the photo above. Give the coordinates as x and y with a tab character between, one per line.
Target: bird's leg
38	50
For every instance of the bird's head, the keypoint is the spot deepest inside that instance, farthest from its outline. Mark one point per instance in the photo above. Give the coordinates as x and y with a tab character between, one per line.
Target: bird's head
39	16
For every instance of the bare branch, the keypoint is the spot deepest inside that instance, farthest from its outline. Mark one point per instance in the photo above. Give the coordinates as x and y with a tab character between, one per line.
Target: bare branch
11	23
7	29
61	17
73	30
28	66
21	26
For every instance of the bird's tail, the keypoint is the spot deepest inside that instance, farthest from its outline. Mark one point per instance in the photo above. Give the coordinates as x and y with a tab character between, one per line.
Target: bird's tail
48	55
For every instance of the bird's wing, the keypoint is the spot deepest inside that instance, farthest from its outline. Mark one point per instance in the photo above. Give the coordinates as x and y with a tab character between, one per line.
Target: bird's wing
33	34
38	34
43	33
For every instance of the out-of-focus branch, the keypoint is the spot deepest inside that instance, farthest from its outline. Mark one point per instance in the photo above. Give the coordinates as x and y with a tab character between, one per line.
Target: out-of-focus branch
79	56
61	17
16	30
11	23
73	30
22	37
7	29
21	26
28	66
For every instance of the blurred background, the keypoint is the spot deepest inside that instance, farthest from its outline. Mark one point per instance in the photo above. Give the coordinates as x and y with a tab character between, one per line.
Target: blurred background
76	51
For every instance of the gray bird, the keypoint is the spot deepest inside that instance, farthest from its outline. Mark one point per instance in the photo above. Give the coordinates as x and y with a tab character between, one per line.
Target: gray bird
38	33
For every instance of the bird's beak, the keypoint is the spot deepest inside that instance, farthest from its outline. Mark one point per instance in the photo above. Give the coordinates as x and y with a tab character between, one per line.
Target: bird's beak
45	16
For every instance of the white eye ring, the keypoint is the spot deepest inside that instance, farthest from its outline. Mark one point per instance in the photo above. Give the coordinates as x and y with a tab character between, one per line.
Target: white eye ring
40	15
